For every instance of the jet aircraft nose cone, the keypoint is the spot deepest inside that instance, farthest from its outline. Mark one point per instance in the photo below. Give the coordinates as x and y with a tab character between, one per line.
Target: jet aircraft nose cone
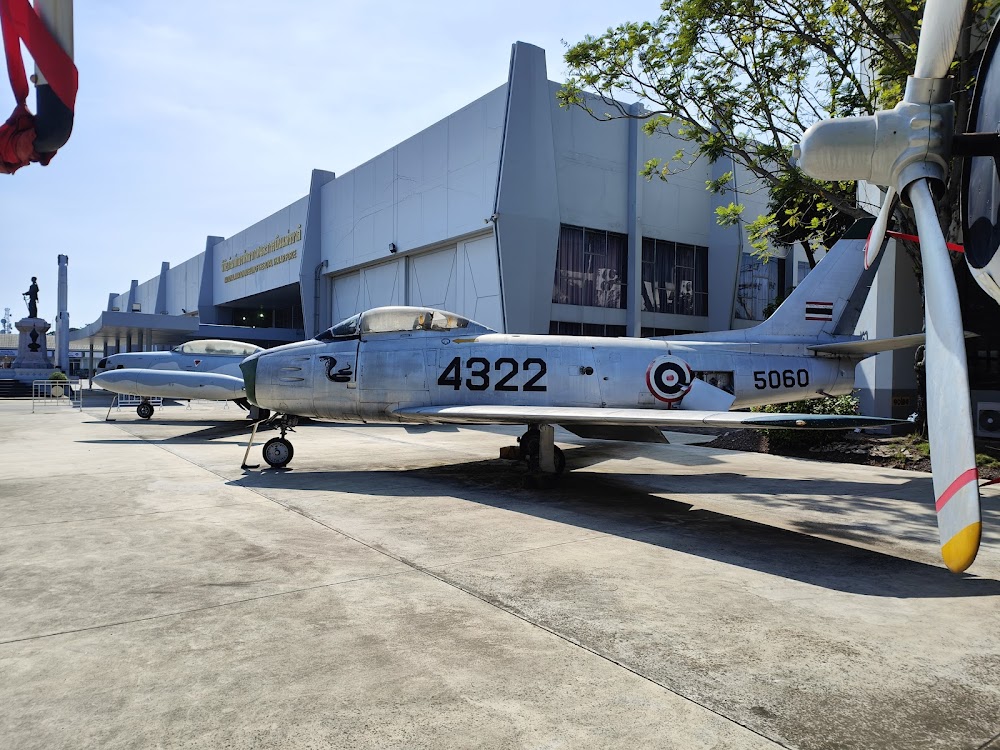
249	368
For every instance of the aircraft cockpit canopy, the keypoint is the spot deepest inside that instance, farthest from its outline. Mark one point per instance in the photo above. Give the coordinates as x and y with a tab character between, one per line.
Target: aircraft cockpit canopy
401	319
217	347
345	329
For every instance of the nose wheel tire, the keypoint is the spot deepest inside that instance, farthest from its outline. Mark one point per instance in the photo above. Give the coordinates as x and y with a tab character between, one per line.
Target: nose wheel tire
144	410
278	452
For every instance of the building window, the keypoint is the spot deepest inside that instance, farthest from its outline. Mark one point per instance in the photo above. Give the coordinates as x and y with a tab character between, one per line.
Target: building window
651	332
757	287
674	277
591	268
564	328
803	270
264	317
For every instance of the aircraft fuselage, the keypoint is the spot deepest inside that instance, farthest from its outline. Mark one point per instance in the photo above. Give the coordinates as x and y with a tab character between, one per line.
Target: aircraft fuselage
367	378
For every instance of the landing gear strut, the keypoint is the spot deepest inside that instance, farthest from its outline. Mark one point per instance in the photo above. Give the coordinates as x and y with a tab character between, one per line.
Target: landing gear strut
539	450
278	451
144	409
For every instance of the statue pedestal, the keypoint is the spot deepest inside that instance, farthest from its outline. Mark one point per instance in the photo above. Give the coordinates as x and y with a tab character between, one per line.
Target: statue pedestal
32	361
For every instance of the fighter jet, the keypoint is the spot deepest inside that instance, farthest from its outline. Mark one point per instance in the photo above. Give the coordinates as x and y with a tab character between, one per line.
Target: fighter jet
205	369
421	365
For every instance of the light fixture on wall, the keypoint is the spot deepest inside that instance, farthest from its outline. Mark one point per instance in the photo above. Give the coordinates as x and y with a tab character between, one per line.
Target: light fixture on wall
392	247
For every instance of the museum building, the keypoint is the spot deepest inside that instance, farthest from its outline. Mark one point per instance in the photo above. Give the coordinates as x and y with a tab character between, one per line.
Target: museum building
522	215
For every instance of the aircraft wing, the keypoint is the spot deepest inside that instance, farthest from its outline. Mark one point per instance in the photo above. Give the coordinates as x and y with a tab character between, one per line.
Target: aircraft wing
665	418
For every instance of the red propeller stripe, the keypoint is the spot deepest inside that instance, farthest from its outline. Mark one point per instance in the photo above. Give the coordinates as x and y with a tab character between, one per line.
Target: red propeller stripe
971	475
913	238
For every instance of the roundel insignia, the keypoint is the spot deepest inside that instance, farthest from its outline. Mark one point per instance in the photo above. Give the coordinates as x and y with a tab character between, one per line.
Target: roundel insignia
669	378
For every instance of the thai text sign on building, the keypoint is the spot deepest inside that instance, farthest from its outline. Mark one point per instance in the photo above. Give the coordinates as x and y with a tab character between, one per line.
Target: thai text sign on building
259	252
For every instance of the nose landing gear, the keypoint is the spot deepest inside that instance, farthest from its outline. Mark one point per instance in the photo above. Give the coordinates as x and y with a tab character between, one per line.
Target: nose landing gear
144	409
278	451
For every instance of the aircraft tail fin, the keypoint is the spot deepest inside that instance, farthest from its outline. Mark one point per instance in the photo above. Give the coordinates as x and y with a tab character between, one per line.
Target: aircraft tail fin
829	300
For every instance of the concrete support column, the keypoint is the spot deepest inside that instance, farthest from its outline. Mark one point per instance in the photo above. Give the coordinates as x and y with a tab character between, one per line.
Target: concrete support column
316	307
633	325
882	376
725	251
90	368
527	203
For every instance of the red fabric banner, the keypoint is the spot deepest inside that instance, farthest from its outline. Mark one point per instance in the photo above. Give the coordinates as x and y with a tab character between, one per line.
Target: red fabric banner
20	22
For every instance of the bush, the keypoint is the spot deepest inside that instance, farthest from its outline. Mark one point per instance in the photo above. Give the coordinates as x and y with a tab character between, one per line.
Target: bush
58	375
805	439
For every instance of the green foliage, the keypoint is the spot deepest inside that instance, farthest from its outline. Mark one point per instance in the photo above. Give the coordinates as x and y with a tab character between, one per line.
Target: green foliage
742	79
58	375
838	405
805	439
771	307
799	213
728	216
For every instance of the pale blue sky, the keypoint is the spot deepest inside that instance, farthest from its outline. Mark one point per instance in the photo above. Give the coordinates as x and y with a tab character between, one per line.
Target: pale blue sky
199	118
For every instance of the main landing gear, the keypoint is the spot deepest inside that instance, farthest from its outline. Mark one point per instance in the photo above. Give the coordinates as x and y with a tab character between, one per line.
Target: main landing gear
278	451
539	451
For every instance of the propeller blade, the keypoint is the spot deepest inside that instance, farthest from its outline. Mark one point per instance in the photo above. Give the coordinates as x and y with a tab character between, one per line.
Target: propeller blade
949	416
938	37
876	237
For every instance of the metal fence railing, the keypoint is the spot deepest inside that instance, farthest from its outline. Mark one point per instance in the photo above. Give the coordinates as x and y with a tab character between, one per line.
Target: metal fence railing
58	393
124	399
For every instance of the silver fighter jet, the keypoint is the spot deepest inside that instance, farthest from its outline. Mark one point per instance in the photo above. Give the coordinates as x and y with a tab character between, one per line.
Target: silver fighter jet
206	369
420	365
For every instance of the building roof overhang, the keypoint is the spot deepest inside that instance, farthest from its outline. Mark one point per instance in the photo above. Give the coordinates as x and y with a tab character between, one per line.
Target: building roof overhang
169	330
158	330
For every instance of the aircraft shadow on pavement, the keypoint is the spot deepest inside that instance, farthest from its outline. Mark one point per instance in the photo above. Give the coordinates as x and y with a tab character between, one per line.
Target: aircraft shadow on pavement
213	430
611	504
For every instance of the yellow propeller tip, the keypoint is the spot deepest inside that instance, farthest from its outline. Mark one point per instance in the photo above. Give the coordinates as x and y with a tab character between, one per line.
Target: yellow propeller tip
960	551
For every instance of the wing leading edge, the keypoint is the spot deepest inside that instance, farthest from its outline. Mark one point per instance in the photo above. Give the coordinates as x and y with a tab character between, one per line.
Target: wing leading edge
568	415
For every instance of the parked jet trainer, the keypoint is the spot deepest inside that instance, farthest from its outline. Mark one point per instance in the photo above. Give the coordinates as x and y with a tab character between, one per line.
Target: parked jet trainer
206	369
420	365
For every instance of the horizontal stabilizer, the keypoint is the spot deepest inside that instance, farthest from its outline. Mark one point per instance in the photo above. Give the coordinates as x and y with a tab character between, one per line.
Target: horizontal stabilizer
866	347
568	415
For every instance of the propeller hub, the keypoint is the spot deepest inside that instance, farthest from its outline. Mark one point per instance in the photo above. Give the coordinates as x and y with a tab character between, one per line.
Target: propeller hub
893	147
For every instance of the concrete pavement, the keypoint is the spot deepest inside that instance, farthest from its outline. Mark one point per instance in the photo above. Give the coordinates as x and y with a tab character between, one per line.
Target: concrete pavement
402	588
